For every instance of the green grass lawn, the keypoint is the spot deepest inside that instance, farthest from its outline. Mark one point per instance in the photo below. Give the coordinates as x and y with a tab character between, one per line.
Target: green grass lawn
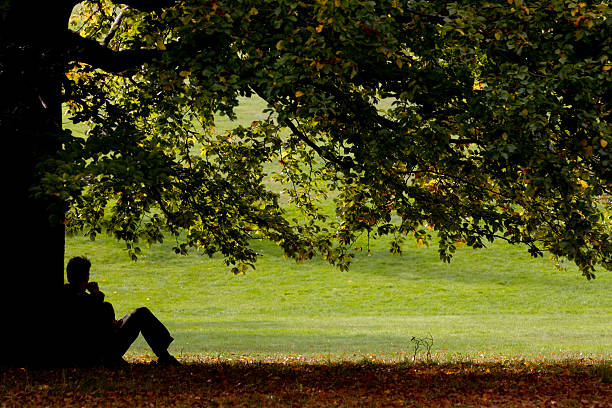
495	301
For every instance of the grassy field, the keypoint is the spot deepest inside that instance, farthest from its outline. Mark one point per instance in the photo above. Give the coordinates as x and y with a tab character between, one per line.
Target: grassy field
491	302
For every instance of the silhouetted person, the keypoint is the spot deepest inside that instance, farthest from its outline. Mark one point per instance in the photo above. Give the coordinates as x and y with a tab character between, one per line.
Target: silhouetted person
94	336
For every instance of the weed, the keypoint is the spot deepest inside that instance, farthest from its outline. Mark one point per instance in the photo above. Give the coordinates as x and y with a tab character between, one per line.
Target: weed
422	343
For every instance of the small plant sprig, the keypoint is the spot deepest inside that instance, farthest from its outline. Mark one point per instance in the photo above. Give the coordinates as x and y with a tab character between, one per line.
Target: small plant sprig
422	343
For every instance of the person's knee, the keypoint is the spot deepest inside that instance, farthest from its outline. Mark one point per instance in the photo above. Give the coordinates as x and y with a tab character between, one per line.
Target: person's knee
142	312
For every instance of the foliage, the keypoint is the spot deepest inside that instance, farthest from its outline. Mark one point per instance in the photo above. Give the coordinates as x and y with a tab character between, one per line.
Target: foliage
298	381
474	121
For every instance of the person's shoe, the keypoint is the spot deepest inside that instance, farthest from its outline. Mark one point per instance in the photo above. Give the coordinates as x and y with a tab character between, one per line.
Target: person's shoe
167	361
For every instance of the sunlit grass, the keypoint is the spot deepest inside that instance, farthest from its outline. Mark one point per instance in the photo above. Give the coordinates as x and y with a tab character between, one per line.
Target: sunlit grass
495	300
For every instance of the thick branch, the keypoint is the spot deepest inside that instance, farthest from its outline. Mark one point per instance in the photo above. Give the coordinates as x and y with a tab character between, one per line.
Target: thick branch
146	5
116	62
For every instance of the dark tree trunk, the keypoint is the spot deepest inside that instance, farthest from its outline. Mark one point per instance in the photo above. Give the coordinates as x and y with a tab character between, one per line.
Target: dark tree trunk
31	66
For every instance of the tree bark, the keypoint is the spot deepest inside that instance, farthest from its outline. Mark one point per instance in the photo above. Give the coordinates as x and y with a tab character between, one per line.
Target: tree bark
31	123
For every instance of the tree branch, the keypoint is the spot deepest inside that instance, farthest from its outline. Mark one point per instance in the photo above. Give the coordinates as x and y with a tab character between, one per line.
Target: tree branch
361	109
146	5
313	145
115	62
300	135
111	33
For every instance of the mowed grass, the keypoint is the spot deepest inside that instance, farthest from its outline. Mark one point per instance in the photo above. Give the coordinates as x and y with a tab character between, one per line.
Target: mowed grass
495	301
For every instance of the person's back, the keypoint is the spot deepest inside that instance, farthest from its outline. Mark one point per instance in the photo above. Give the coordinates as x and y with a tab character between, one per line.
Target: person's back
86	319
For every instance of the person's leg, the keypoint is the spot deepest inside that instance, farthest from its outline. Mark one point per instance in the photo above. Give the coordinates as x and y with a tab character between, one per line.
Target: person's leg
154	332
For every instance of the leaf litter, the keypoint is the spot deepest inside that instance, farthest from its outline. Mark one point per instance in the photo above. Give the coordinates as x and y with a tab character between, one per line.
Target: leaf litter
317	381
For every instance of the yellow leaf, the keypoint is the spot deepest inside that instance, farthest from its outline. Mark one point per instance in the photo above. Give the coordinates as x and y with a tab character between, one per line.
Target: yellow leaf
253	11
319	28
280	46
606	67
498	35
299	93
603	142
525	112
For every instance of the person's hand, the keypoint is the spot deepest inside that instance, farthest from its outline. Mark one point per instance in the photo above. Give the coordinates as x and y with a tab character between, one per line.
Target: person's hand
92	287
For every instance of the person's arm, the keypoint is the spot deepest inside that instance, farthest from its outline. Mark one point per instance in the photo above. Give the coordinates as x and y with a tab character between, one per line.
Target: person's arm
95	291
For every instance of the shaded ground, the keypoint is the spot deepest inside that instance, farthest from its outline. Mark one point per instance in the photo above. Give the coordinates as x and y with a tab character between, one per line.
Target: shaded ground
297	382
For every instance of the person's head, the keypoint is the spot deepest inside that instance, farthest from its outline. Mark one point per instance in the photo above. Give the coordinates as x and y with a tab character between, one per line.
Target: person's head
77	271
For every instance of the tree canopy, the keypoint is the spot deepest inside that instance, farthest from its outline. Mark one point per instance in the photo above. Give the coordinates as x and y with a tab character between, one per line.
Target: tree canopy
452	122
